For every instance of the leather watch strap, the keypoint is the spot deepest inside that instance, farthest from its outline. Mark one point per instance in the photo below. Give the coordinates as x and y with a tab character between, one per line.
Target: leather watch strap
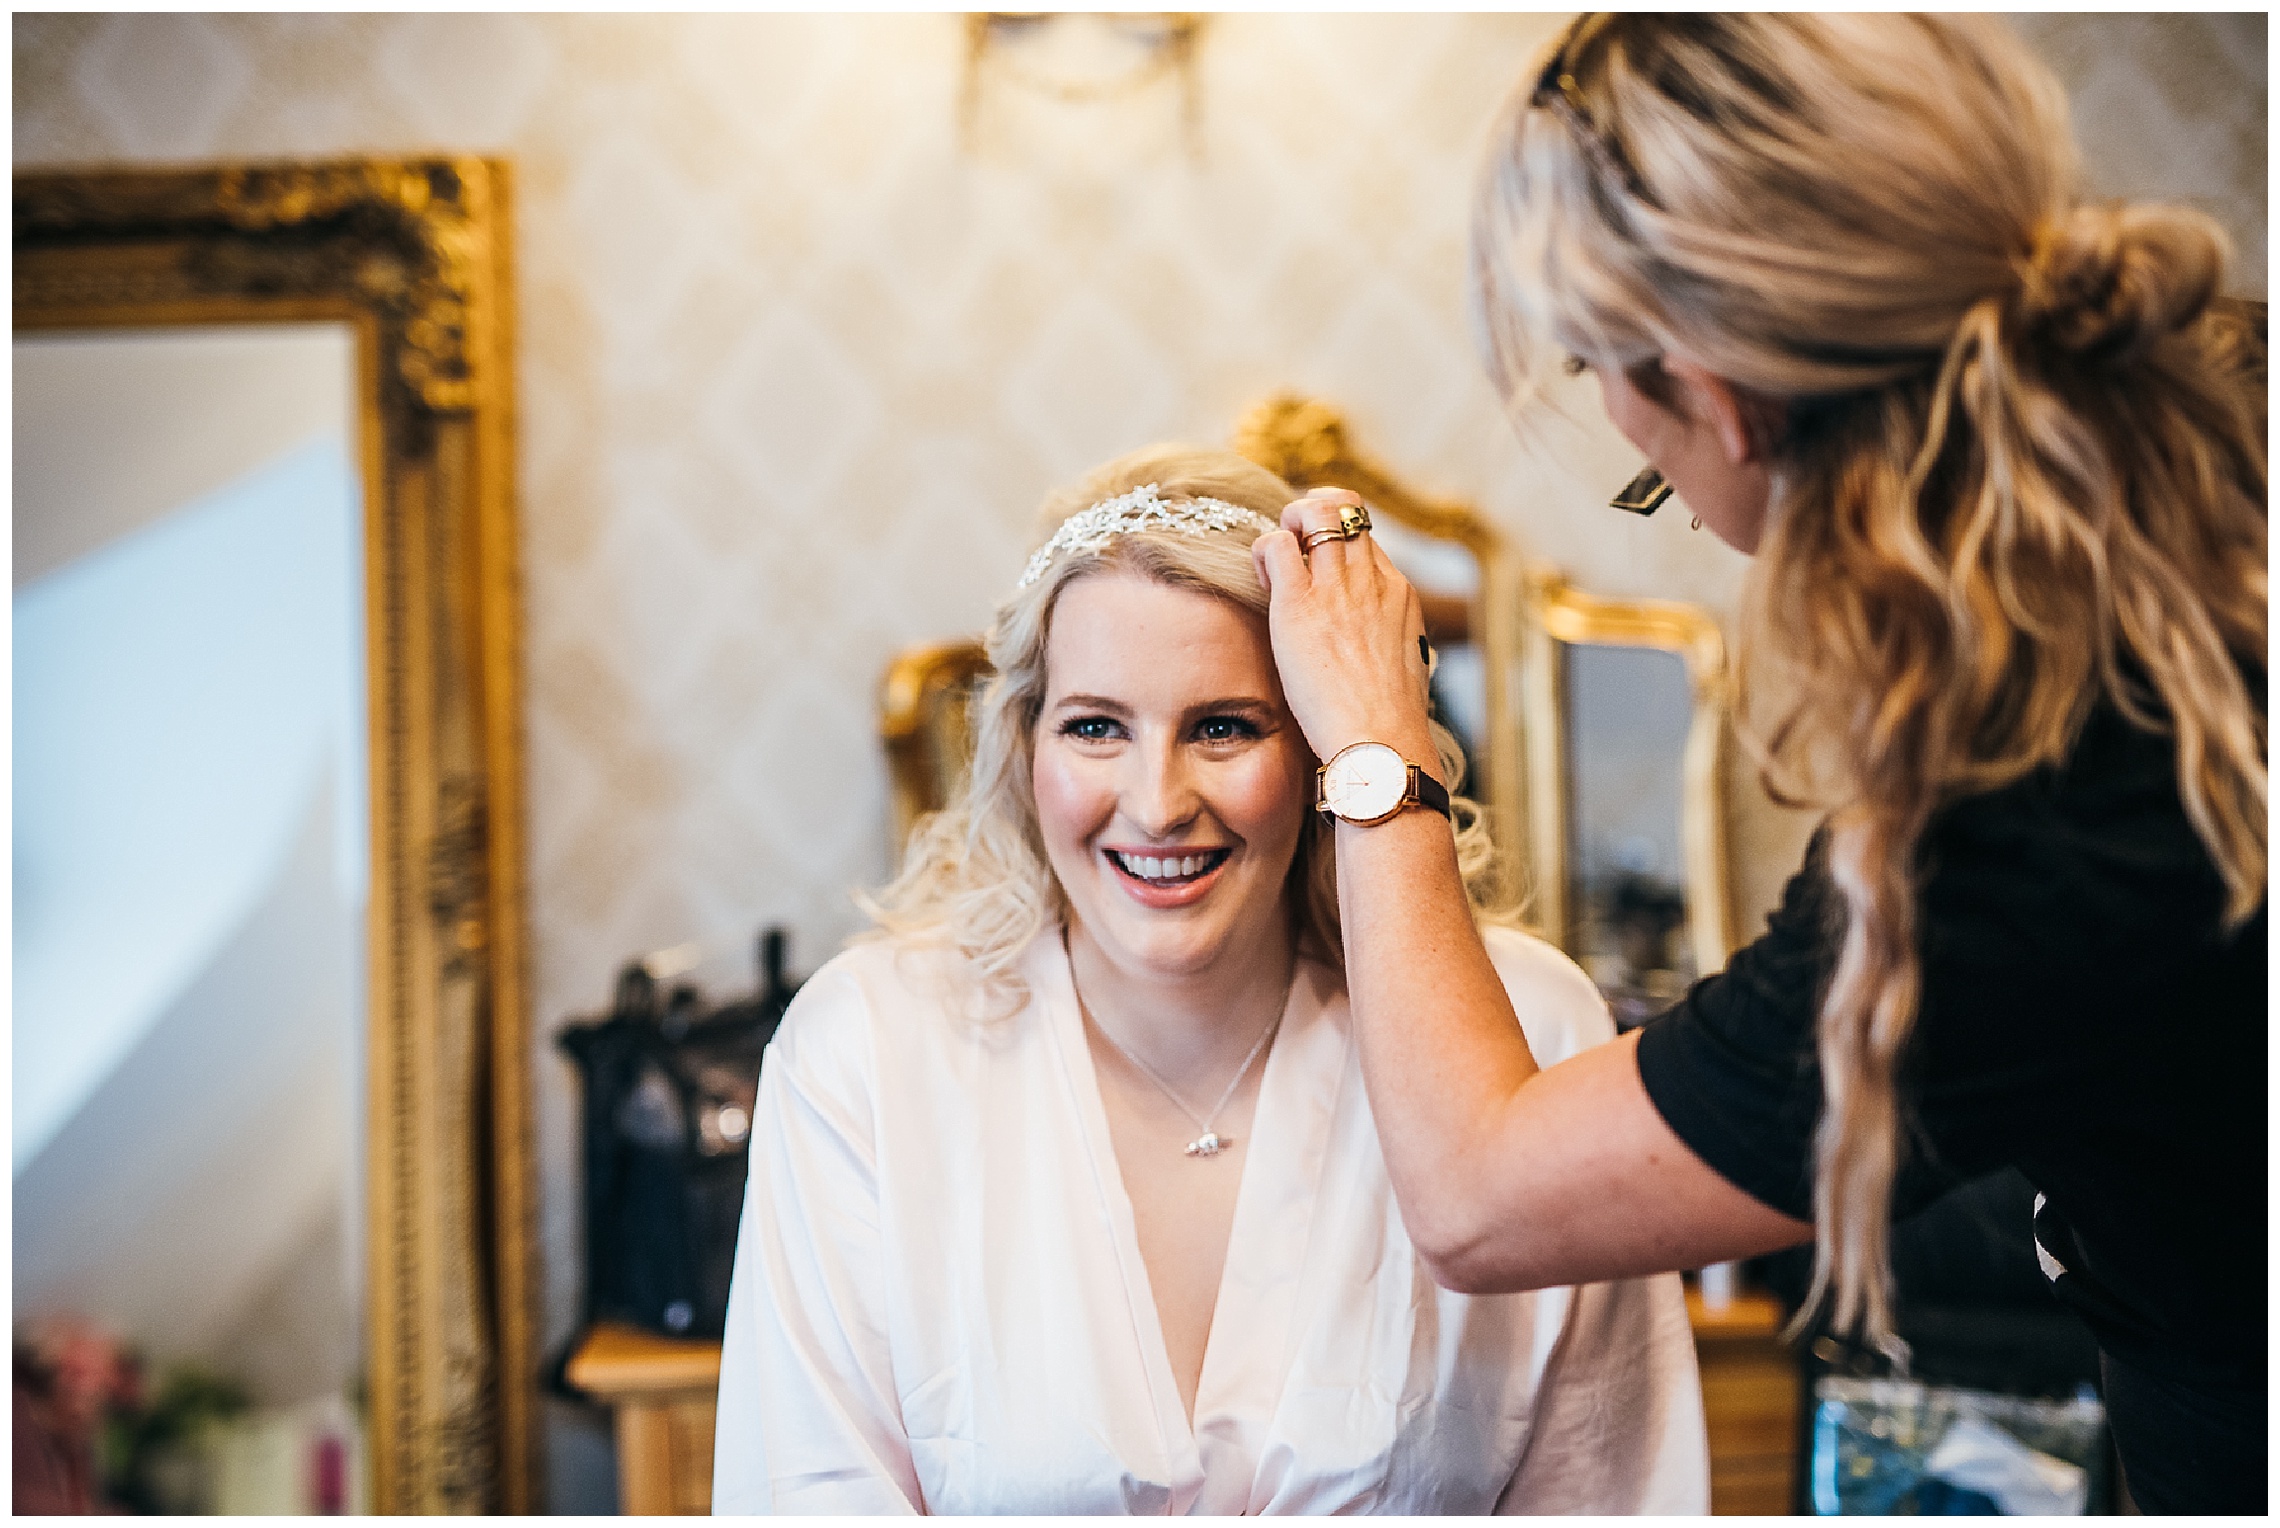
1428	792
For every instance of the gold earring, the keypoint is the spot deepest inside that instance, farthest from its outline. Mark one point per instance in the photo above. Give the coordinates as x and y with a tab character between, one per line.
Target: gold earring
1698	522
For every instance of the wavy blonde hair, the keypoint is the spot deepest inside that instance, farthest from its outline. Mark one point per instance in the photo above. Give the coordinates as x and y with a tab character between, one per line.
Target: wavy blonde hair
975	876
2017	470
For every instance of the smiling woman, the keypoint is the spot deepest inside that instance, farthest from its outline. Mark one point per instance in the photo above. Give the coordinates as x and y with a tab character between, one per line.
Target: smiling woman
1066	1196
1168	771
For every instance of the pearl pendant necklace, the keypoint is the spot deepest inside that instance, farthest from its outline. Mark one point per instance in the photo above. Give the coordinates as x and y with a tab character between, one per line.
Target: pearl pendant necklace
1210	1143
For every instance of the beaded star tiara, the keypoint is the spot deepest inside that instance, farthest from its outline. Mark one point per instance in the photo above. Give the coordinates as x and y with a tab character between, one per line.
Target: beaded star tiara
1142	509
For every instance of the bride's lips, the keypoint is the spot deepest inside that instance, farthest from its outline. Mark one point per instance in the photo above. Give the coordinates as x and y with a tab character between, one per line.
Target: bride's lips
1167	892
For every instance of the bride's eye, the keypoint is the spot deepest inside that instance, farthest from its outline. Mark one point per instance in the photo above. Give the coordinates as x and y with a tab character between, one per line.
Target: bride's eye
1091	729
1575	366
1226	729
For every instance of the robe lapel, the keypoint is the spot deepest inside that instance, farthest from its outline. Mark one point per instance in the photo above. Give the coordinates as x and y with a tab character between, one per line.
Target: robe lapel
1133	1422
1262	1289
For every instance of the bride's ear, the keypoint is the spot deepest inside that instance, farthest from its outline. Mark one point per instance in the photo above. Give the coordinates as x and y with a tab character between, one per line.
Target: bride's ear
1716	401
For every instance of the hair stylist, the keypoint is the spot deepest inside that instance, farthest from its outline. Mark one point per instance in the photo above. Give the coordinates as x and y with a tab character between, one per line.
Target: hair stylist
2005	487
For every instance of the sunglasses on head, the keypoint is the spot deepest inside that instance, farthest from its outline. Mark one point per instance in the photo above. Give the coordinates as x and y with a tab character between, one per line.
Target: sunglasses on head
1644	494
1557	92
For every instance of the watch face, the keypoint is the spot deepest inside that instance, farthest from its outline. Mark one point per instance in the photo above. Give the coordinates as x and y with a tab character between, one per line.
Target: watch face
1365	782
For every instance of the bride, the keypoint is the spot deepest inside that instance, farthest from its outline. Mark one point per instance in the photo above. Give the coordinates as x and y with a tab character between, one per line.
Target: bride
1065	1195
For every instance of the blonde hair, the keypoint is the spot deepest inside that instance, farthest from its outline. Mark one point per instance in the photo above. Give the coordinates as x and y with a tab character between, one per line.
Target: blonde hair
2017	469
975	876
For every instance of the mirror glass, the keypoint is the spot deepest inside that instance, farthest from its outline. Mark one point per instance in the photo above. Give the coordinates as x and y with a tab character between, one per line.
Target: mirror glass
190	869
1447	577
1628	711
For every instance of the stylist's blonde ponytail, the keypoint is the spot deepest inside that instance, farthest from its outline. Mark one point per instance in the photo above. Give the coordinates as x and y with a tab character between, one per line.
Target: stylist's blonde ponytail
2020	472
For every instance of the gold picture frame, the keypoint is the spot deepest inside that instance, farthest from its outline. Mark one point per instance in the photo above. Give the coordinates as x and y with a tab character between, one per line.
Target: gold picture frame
1562	615
415	257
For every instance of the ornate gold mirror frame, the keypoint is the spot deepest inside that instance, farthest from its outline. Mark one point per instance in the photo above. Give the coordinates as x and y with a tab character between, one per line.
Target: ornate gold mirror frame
1561	615
1304	441
414	256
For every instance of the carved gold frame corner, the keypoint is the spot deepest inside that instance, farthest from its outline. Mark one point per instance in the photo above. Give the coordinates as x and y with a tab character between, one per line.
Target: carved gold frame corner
1563	615
1305	442
416	257
922	721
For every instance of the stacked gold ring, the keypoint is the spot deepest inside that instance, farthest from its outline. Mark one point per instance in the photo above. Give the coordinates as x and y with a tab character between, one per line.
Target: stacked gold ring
1353	520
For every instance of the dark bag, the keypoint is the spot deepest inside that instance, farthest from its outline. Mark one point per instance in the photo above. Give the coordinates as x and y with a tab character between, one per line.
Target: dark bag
667	1119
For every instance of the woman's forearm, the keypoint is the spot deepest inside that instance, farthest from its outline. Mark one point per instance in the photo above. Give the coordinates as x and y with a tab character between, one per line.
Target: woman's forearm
1442	1054
1509	1177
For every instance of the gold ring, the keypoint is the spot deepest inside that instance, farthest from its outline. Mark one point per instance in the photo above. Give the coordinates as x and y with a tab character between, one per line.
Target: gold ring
1316	538
1353	519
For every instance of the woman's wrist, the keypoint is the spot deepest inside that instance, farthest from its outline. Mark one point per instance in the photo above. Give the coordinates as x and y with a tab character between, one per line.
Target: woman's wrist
1412	738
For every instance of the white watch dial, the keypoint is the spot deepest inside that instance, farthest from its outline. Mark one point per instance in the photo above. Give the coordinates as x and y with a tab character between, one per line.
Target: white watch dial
1365	781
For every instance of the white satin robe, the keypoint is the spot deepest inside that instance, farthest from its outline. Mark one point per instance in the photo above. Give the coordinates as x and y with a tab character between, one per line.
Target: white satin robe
939	1303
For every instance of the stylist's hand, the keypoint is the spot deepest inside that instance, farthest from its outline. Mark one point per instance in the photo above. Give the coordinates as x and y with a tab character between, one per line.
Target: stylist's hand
1346	628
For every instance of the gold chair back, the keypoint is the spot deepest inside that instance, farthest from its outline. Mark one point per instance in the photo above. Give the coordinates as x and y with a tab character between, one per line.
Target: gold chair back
925	710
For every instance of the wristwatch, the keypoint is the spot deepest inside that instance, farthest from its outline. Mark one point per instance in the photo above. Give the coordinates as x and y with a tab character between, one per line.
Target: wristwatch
1368	783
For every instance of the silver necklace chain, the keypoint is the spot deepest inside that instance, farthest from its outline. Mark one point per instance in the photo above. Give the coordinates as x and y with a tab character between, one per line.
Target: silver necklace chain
1211	1143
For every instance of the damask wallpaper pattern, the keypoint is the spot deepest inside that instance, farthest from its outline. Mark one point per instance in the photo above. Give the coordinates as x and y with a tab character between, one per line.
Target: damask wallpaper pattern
800	358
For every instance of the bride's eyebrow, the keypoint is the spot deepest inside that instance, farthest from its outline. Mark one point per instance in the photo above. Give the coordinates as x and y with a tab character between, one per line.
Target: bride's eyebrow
1092	703
1248	703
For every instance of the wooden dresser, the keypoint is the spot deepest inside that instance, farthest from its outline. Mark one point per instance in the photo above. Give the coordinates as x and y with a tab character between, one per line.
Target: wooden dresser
661	1391
1751	1395
662	1394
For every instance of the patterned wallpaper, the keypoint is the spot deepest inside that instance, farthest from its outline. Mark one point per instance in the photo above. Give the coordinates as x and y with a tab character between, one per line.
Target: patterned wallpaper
799	360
